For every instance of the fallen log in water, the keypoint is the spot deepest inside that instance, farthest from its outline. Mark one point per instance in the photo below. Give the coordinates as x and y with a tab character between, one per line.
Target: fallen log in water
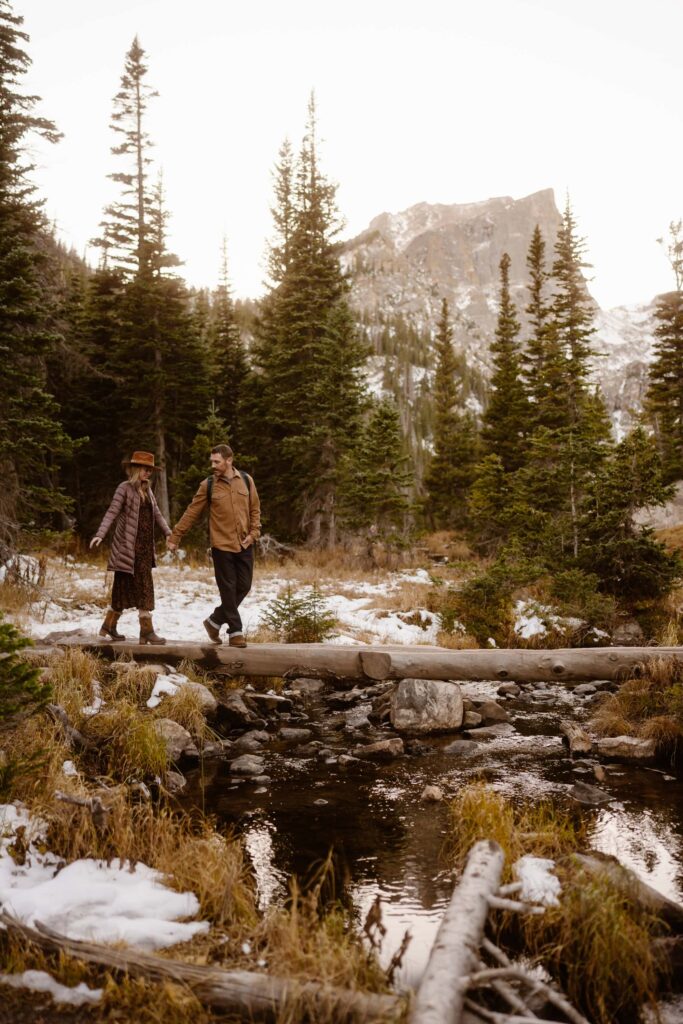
391	662
455	953
254	996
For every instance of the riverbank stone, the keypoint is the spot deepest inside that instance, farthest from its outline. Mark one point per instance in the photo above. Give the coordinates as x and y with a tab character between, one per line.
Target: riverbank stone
383	750
491	712
625	748
462	748
178	741
420	706
247	764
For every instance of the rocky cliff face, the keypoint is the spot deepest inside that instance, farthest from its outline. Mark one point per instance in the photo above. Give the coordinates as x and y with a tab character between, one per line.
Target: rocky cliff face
404	264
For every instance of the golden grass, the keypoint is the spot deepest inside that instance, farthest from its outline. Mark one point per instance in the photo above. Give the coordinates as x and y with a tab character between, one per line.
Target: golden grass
649	706
598	944
303	941
128	742
479	812
71	676
456	641
185	708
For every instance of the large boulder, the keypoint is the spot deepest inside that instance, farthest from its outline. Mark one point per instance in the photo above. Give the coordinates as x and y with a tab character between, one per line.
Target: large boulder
420	706
178	741
626	748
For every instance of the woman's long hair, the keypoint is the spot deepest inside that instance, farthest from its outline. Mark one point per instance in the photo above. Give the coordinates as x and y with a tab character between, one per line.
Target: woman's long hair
141	486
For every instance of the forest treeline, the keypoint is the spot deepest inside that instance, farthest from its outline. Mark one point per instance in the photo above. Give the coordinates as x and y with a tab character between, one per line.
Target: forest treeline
99	360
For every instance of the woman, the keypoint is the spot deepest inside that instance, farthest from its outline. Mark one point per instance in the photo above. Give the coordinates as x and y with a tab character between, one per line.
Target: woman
134	510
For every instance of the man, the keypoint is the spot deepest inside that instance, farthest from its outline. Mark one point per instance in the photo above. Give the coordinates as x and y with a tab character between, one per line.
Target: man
234	525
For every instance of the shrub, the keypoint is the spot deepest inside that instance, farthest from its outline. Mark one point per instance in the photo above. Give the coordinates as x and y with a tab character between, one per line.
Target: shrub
22	691
299	620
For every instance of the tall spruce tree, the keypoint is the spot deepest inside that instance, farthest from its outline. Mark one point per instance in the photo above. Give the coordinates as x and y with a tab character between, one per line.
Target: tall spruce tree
664	403
571	436
505	423
309	394
228	359
451	470
157	359
377	481
32	440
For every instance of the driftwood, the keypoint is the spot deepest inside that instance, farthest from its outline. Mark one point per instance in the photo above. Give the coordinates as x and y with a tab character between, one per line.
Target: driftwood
75	739
256	996
628	882
441	995
576	738
394	662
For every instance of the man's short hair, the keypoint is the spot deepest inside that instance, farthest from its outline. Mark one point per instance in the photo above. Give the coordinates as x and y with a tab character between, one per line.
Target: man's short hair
223	450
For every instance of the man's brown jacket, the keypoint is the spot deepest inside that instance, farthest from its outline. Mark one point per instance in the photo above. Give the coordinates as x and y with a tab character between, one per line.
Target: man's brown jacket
235	513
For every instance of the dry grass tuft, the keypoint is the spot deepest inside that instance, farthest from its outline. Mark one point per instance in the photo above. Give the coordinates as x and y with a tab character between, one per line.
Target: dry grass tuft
479	812
456	641
649	705
71	676
304	941
598	944
129	744
132	683
185	708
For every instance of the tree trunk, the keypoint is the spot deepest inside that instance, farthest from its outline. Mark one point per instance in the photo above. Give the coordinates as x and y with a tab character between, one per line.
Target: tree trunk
455	953
394	662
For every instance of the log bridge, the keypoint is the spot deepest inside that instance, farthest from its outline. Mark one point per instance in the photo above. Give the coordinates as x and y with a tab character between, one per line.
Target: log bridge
377	663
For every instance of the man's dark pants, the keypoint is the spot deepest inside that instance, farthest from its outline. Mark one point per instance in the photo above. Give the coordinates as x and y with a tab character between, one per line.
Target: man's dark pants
234	571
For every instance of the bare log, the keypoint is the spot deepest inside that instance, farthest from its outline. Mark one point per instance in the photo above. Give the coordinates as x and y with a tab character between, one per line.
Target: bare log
441	994
395	662
629	883
256	996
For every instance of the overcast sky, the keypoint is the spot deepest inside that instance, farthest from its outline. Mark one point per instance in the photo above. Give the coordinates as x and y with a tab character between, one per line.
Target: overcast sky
440	101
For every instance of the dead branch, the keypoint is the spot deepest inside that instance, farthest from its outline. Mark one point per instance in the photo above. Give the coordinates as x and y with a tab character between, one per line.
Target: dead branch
513	973
98	812
256	996
75	739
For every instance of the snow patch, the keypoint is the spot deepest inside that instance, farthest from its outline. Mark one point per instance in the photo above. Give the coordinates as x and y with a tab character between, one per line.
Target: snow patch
539	885
40	981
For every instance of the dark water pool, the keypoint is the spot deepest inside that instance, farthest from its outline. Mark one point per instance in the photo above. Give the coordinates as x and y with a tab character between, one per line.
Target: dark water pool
387	842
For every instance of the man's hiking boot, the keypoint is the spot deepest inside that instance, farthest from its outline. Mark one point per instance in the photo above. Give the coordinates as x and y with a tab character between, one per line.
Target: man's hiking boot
237	640
213	630
108	627
147	634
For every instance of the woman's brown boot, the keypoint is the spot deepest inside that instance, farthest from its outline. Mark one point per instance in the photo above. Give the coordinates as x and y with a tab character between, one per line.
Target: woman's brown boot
147	634
108	627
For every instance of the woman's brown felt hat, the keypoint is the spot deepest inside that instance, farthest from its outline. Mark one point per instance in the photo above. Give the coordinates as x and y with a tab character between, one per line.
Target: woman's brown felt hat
144	459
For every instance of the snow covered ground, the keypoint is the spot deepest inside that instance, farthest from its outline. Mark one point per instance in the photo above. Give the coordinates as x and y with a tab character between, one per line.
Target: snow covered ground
76	594
90	899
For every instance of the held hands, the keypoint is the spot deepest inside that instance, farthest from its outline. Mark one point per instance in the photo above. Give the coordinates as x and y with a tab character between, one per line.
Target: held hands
95	542
171	545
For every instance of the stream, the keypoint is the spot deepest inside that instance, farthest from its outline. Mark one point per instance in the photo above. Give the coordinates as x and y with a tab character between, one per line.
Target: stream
387	842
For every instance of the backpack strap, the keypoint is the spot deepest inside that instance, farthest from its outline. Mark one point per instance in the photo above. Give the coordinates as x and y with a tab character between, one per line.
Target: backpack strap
209	495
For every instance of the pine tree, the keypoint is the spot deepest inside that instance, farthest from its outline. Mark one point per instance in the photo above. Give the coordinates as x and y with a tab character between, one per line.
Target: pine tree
505	421
452	468
307	401
32	440
625	556
21	691
570	435
228	359
126	238
664	403
377	481
157	359
537	312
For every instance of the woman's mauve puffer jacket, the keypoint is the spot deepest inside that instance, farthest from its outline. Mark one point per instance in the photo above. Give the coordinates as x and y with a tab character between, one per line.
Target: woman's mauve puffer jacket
125	510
